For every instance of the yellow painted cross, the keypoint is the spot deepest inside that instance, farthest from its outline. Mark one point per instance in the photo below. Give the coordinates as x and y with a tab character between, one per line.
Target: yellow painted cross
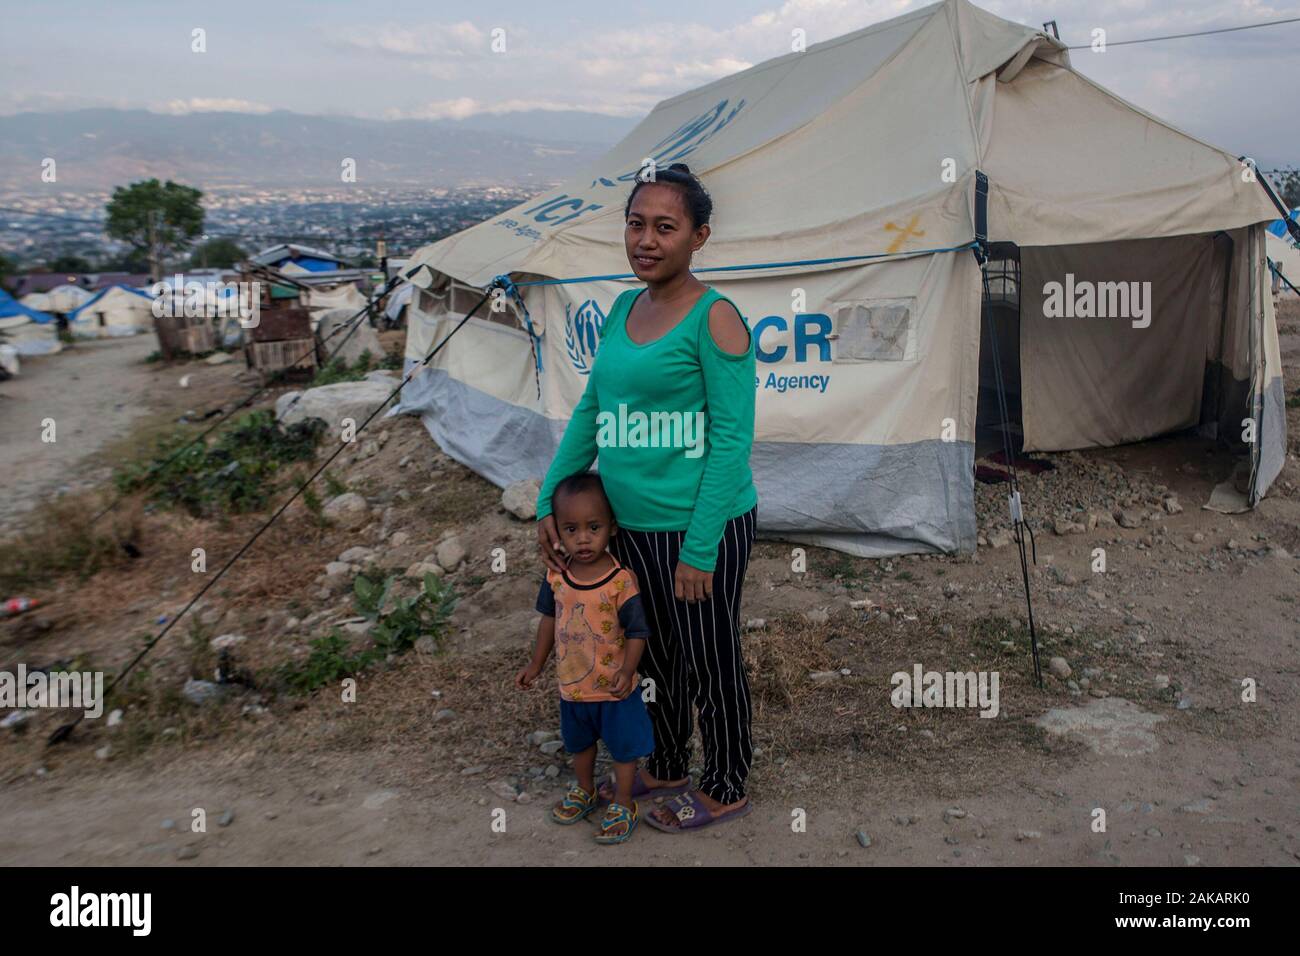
905	233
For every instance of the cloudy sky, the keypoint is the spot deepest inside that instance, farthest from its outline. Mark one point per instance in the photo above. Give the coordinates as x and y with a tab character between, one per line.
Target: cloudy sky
434	58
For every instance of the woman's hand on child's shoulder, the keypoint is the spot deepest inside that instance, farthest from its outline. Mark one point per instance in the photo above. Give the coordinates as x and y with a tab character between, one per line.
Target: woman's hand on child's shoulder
548	543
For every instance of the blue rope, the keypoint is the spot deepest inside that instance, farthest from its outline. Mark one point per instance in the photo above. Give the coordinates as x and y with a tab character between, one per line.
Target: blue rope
756	265
511	289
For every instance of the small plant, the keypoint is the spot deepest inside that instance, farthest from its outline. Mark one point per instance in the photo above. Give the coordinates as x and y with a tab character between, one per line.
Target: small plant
338	370
398	624
235	474
333	485
198	650
329	662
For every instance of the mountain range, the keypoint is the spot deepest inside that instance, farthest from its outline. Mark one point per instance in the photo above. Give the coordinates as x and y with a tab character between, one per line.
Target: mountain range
96	149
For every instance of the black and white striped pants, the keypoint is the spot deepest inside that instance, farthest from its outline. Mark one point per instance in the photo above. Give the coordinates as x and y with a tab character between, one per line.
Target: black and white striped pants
694	657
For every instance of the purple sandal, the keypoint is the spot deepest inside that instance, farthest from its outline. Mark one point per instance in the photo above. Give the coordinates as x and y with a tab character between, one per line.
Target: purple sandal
640	791
692	814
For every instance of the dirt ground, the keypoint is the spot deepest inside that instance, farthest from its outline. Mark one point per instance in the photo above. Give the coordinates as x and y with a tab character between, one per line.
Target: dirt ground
95	391
432	762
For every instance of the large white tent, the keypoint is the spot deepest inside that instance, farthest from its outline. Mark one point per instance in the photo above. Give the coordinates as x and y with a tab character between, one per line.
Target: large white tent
870	369
117	310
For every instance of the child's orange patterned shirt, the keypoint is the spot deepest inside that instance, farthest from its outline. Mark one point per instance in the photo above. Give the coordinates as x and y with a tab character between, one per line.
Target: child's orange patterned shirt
593	622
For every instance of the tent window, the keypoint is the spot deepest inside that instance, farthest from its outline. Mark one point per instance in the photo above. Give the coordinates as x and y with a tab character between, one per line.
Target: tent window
1003	281
465	297
426	302
877	330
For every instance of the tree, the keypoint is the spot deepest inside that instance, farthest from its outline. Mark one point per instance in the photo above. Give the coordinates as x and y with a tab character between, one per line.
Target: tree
217	254
126	262
69	263
1288	187
158	220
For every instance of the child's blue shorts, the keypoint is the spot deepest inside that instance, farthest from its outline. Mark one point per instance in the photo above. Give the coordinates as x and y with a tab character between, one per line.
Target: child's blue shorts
624	725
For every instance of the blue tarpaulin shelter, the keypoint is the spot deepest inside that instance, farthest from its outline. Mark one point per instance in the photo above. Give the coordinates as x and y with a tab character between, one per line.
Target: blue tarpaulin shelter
11	309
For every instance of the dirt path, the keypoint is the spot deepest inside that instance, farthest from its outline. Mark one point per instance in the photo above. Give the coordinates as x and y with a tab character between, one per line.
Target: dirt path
366	809
93	392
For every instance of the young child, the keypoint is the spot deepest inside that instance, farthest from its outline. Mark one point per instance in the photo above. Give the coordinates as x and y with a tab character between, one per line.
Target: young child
592	617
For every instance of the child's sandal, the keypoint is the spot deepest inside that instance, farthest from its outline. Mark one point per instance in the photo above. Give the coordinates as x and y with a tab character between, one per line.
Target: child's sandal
618	824
576	805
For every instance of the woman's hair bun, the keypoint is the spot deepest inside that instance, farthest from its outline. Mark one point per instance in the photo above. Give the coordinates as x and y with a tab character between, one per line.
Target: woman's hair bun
696	199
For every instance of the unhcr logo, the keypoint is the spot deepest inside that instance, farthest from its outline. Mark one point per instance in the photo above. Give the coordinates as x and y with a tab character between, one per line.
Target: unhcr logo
582	328
1098	300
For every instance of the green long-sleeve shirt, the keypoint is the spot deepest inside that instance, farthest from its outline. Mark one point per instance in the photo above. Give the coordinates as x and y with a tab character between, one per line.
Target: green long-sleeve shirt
673	423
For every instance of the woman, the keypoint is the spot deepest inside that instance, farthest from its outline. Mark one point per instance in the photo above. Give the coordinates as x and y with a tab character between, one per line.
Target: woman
683	495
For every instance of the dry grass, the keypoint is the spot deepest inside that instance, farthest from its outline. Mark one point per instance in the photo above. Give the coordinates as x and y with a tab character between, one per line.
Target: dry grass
59	540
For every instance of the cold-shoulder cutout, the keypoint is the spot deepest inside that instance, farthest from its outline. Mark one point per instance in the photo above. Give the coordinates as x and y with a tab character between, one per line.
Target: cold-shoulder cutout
727	329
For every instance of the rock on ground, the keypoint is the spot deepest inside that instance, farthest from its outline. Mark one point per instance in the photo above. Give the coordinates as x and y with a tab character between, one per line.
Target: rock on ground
520	498
1110	727
451	553
333	403
349	510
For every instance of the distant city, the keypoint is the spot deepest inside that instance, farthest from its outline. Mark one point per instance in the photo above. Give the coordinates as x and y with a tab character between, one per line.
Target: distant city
346	221
277	177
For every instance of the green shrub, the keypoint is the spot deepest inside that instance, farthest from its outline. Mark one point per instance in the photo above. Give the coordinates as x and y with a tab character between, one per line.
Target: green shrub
235	474
398	624
338	370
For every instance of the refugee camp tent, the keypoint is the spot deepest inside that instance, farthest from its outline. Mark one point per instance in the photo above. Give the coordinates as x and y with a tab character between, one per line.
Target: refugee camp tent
343	298
40	301
339	297
1284	255
1278	227
26	330
66	299
117	310
870	369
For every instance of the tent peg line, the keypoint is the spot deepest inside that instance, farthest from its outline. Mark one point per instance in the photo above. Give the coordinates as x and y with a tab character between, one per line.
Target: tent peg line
62	732
351	325
1020	526
1281	275
1292	226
